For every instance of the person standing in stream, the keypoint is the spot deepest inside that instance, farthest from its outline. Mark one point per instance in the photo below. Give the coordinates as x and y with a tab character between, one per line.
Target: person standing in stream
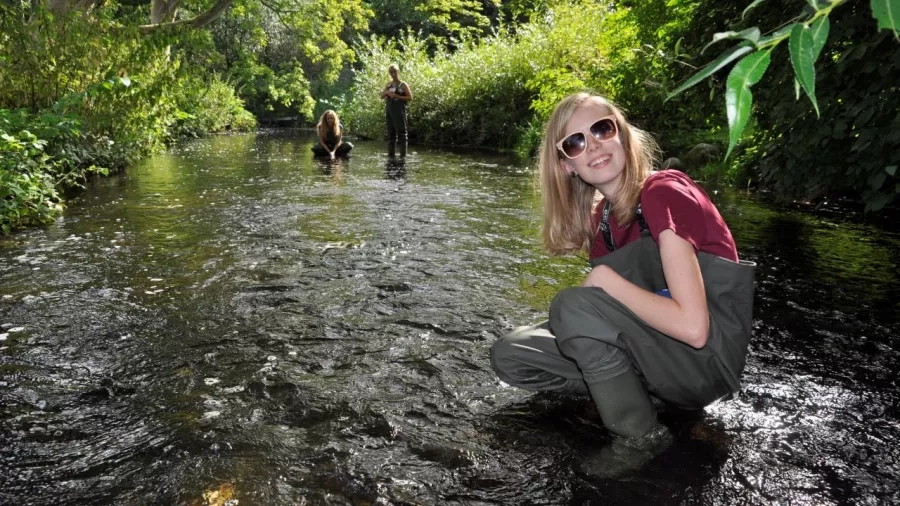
396	95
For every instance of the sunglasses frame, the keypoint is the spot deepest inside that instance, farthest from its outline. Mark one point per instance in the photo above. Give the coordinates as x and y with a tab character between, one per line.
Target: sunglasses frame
586	133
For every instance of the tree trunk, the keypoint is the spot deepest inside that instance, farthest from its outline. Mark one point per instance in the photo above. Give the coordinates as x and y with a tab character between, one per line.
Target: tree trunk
163	11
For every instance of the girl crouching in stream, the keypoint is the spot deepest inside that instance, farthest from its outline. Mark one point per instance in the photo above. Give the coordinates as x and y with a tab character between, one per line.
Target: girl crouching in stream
666	307
331	137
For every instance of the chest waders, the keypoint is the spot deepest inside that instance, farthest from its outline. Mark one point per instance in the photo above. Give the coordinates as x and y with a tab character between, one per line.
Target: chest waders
395	112
593	344
330	140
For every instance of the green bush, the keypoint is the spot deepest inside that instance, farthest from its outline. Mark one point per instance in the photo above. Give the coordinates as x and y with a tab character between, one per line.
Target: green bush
28	193
85	95
486	90
33	169
210	107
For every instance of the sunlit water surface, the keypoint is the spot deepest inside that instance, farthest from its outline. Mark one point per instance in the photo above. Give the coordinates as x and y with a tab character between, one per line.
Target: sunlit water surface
236	323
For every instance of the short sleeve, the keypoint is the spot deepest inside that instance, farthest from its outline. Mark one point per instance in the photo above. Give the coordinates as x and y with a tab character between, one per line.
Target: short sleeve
669	200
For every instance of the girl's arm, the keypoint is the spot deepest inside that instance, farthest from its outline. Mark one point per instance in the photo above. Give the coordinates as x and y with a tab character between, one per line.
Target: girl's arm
684	317
408	96
340	137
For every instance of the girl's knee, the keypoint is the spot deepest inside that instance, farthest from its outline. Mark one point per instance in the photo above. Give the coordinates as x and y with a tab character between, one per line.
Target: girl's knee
501	350
504	349
568	310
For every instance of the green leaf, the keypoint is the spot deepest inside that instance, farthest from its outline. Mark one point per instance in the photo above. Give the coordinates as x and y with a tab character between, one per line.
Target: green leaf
891	169
805	45
887	12
777	34
877	202
878	180
752	5
819	29
750	34
738	99
724	59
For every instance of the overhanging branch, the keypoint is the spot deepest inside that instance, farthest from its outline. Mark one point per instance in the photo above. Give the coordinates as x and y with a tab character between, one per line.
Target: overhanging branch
198	21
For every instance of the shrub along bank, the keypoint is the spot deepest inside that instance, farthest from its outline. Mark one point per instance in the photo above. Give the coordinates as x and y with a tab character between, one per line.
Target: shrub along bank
83	96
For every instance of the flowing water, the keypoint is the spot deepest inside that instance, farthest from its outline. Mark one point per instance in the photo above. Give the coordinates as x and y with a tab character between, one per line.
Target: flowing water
234	322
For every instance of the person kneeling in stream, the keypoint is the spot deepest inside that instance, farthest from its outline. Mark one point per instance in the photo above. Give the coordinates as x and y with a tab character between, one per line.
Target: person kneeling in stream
331	134
619	337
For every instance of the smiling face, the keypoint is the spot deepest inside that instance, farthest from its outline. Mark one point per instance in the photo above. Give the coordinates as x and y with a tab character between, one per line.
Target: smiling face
603	163
329	119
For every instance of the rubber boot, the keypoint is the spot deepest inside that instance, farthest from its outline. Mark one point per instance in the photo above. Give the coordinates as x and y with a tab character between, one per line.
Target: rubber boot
392	146
626	455
403	149
624	404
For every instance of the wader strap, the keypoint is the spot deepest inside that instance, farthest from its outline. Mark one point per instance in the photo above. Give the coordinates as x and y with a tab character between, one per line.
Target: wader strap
604	226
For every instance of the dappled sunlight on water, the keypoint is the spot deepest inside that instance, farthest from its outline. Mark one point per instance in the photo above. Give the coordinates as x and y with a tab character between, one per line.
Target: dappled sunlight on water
235	322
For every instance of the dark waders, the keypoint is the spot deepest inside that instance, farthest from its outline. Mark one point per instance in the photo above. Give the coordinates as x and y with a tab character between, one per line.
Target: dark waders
342	150
594	344
331	139
395	111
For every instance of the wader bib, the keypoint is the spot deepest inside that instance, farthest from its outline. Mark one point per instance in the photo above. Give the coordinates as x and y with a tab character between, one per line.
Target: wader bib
395	112
594	344
330	141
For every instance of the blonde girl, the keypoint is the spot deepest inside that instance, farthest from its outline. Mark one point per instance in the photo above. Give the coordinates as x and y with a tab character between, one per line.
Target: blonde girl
666	307
330	132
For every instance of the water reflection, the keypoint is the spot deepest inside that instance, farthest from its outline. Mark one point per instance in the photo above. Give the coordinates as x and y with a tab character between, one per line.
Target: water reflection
395	168
333	167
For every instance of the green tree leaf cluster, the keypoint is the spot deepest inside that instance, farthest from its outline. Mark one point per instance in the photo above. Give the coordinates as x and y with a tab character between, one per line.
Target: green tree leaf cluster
862	160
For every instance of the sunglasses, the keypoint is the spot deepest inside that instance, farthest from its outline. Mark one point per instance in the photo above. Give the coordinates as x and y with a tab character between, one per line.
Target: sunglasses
575	144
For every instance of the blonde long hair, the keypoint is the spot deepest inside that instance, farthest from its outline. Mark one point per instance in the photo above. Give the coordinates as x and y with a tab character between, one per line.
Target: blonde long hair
322	125
568	201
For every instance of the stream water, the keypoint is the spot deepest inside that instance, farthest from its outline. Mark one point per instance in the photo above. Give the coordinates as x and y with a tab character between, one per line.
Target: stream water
234	322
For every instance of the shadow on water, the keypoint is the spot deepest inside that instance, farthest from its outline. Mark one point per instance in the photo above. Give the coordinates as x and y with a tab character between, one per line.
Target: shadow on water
237	321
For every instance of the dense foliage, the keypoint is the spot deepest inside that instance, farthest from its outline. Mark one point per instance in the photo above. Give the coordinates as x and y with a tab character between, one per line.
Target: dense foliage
86	85
856	153
81	95
497	90
851	148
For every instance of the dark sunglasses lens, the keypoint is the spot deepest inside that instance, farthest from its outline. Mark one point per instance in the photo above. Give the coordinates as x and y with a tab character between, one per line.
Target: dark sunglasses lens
573	145
604	130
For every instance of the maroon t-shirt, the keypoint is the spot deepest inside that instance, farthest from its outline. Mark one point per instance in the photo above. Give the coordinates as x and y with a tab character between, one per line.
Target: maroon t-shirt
671	200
